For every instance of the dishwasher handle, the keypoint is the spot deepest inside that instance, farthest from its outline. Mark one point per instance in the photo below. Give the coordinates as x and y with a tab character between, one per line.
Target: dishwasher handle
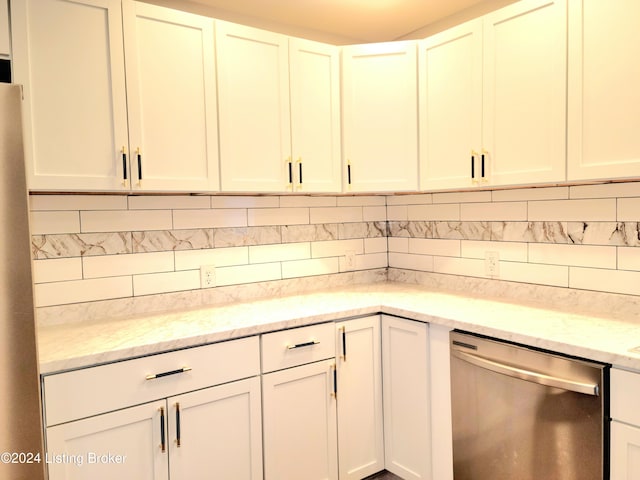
522	374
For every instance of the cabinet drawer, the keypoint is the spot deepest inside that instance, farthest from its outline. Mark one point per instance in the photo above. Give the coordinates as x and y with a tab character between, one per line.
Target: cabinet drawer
297	346
90	391
625	391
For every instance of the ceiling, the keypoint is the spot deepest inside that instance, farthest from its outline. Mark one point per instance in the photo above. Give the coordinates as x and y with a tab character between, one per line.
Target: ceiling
343	21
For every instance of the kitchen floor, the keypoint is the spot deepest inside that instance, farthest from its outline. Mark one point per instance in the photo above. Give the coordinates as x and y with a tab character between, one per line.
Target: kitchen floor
384	476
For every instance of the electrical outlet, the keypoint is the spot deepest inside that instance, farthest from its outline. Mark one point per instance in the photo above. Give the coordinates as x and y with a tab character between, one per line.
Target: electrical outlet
207	276
492	264
350	260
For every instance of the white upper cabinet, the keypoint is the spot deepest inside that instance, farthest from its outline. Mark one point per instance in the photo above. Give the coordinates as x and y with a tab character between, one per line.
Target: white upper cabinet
524	102
253	88
379	113
492	99
450	105
171	95
604	98
279	112
69	57
5	44
314	72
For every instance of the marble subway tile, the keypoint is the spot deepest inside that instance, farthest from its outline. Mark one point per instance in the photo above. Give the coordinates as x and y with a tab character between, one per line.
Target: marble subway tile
166	282
375	245
258	217
166	240
57	270
209	218
605	233
507	211
43	222
309	233
629	258
134	263
573	210
336	248
218	257
244	236
79	291
462	230
312	267
410	261
510	251
279	253
80	245
541	232
125	220
553	275
335	215
259	272
77	202
362	230
613	281
424	246
575	255
629	209
365	262
168	202
449	211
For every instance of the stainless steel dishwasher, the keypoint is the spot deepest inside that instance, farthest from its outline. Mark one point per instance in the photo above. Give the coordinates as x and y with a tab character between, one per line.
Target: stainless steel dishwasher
524	414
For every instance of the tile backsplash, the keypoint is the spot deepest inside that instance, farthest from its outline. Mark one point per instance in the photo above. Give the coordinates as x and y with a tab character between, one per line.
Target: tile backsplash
97	248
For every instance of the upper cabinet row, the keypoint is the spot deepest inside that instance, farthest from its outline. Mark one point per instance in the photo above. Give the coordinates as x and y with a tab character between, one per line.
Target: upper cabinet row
127	96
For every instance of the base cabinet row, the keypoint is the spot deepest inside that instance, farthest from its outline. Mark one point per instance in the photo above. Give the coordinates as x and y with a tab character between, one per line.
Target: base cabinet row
317	420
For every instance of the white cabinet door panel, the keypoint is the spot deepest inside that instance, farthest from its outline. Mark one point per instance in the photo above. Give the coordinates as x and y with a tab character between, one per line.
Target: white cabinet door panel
69	57
171	95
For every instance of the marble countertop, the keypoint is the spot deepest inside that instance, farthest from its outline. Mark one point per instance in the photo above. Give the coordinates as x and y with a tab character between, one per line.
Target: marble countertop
77	345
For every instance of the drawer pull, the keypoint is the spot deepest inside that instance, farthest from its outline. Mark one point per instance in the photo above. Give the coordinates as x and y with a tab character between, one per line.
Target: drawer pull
163	443
166	374
178	424
301	345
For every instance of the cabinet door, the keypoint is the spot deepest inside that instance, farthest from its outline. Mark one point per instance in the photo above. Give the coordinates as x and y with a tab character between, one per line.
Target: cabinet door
380	129
524	107
123	444
253	89
219	431
625	451
171	96
315	115
604	99
5	45
450	86
360	434
69	57
299	410
407	422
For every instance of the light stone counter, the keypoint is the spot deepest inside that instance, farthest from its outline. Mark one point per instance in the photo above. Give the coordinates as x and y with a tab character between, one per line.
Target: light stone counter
599	338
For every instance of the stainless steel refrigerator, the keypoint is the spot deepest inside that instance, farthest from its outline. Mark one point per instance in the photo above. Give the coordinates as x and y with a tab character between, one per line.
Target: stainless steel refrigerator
20	418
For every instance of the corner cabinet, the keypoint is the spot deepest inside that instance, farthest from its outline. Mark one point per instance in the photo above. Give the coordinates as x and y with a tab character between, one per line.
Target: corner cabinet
407	398
380	121
492	99
604	99
89	130
279	112
360	413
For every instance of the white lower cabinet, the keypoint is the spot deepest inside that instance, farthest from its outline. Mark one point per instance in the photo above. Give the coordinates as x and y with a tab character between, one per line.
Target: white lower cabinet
625	425
188	414
300	423
406	394
360	424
